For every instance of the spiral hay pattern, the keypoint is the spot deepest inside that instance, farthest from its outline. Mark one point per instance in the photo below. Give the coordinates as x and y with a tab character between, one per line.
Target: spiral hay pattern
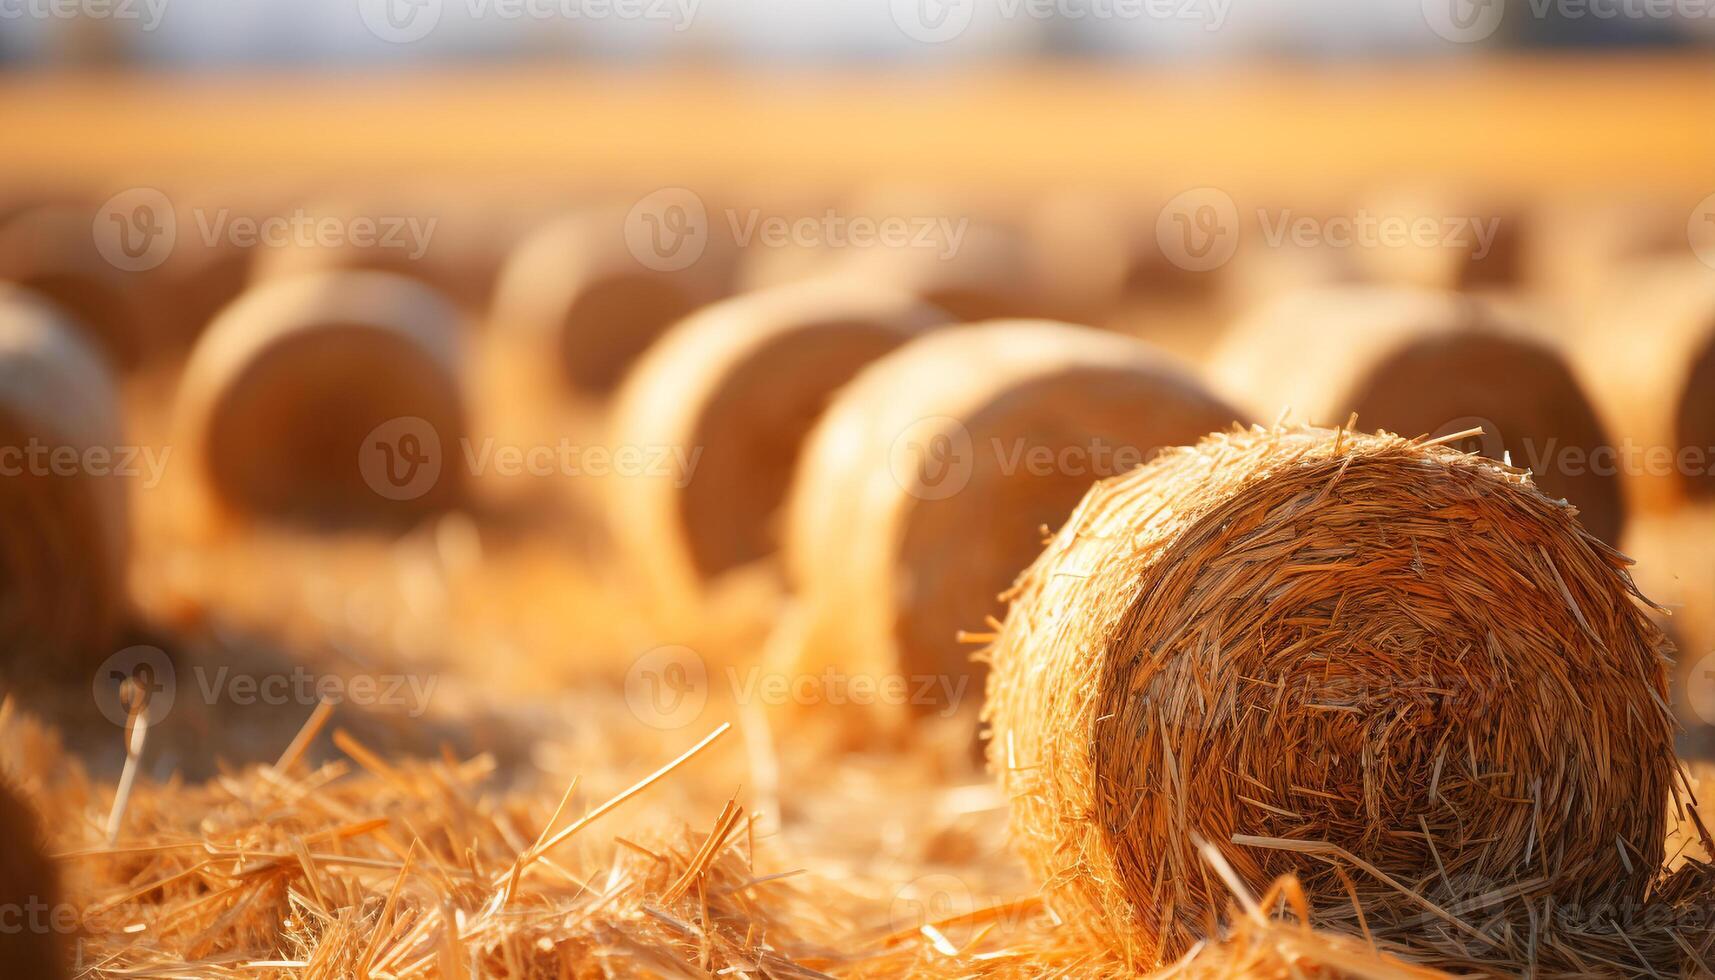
1421	362
66	532
1394	669
284	391
924	490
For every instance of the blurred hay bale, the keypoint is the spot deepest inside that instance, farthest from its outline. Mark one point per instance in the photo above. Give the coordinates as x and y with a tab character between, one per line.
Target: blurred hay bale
1649	349
925	488
33	942
64	512
1675	568
584	307
328	398
732	391
1429	363
51	250
1397	671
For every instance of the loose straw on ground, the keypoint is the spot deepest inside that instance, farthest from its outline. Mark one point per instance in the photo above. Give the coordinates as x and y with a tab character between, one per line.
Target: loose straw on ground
1427	363
733	390
586	307
328	398
927	486
1395	670
63	509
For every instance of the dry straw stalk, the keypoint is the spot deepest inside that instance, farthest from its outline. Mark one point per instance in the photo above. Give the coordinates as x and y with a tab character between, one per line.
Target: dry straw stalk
1394	669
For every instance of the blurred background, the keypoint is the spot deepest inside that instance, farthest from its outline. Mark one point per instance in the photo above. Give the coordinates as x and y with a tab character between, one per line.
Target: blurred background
1159	169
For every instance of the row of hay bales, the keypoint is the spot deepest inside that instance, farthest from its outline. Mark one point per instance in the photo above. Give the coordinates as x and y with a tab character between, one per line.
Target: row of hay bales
1398	670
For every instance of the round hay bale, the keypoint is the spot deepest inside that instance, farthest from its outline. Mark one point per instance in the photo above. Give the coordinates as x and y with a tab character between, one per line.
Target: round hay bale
51	251
736	387
63	511
1423	362
1435	240
1393	669
586	308
923	491
1651	354
328	399
33	944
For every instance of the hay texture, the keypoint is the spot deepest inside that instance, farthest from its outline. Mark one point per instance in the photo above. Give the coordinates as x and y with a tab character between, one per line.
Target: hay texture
585	308
734	389
1422	362
927	486
30	944
1396	670
308	398
1651	354
63	511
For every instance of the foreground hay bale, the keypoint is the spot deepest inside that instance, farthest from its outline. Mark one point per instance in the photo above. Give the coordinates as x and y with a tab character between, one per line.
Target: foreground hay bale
329	398
34	935
924	490
1421	362
586	308
63	511
1651	354
732	391
1398	671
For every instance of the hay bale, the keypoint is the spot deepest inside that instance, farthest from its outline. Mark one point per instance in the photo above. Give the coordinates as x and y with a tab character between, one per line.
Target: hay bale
1423	362
923	491
331	398
1651	355
51	251
33	940
583	305
63	512
1396	670
740	383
